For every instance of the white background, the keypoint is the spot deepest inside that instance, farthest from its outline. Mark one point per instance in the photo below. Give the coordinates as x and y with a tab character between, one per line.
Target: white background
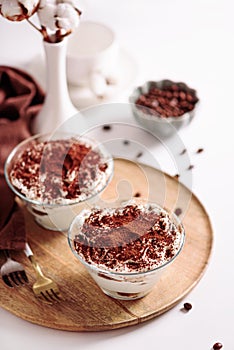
190	41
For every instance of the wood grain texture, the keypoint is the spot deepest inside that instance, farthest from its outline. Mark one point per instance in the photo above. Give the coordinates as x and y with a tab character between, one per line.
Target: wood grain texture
85	307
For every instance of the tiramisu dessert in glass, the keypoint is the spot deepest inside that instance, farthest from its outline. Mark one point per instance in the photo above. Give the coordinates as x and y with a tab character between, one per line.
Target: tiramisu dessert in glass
58	176
125	249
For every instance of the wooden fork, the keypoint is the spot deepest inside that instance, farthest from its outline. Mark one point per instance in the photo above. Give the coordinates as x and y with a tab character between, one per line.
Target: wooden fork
44	287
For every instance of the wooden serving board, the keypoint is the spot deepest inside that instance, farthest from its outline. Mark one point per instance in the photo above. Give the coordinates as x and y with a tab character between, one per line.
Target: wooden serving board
85	307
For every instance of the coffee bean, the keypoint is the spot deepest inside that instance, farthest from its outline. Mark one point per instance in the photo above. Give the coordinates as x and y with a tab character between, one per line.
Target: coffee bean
178	211
182	95
137	194
189	98
126	142
159	110
191	167
155	91
190	106
106	127
200	150
184	104
176	94
187	306
176	176
183	151
154	103
217	346
167	114
162	101
174	87
140	154
142	98
168	94
174	102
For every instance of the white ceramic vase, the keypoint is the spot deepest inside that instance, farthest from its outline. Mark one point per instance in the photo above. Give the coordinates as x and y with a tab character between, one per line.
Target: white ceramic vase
57	107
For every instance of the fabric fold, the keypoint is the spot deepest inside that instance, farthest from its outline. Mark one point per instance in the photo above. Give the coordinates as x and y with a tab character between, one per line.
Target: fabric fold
20	100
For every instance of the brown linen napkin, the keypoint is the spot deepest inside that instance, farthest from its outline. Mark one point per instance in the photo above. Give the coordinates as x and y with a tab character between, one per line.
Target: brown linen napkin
20	100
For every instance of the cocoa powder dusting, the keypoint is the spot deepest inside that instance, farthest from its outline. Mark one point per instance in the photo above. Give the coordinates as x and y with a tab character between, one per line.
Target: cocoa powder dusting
129	239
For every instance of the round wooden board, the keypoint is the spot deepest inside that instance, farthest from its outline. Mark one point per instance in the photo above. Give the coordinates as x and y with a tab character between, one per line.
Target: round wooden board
85	307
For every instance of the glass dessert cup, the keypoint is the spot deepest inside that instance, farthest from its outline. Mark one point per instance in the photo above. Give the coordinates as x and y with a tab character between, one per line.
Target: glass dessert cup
120	284
58	216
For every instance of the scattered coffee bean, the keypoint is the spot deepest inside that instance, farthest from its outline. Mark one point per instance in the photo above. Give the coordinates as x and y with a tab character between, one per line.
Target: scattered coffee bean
176	176
187	306
140	154
178	211
183	151
111	81
137	194
200	150
217	346
169	101
126	142
106	127
191	167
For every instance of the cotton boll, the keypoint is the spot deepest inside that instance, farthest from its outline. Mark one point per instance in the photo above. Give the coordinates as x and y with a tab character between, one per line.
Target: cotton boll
18	10
47	16
63	23
43	3
10	9
67	17
29	5
53	15
76	4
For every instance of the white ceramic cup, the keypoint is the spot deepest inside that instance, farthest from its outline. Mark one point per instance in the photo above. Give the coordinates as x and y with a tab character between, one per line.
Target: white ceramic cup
92	56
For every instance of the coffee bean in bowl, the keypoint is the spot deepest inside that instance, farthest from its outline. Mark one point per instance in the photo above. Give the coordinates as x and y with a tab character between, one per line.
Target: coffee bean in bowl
163	107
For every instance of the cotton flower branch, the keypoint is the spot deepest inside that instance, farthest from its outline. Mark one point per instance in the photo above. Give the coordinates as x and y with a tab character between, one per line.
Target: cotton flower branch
58	18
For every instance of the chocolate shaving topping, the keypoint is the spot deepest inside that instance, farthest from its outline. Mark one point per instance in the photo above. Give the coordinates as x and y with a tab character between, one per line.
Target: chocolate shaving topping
127	239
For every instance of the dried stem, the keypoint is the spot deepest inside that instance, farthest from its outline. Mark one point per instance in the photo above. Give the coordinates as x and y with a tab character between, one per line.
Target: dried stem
34	26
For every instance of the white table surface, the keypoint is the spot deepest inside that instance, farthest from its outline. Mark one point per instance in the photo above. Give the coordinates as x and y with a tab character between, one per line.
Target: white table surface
190	41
